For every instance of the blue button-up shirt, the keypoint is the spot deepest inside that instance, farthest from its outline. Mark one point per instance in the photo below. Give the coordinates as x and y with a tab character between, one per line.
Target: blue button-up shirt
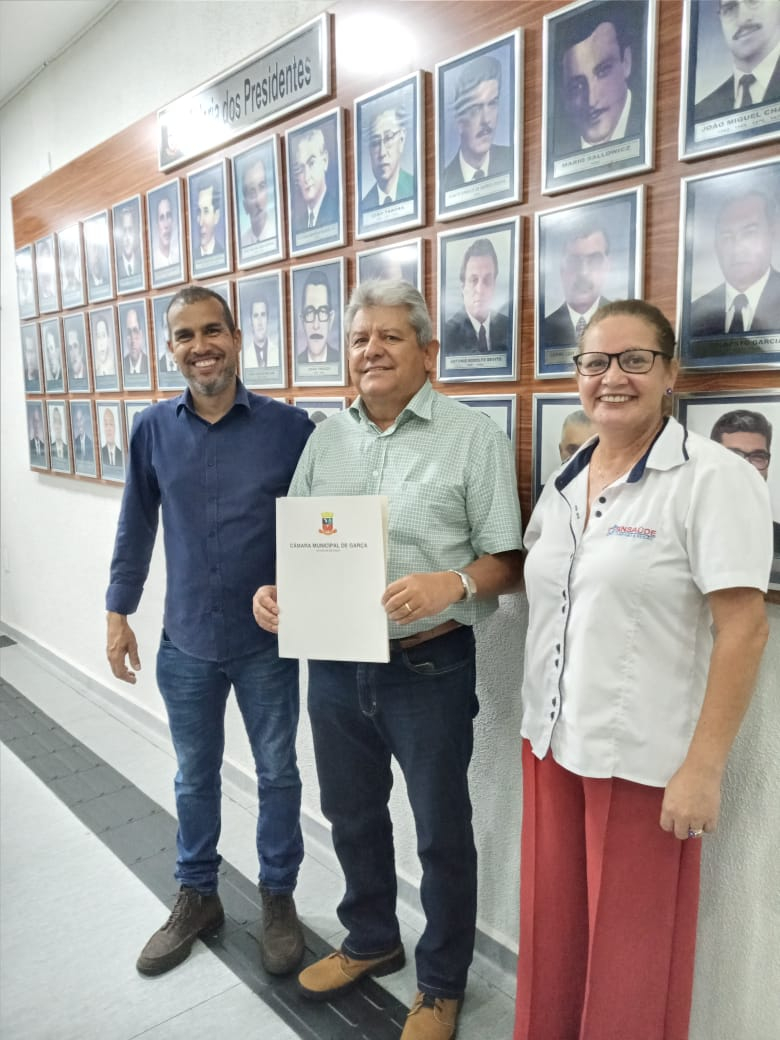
217	485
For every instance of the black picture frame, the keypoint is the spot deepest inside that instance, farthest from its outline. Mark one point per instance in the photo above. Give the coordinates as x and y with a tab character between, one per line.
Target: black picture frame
389	168
479	116
730	253
468	258
315	184
129	238
605	48
257	204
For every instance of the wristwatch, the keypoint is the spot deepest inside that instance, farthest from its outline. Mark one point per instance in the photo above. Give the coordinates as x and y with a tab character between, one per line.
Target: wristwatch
469	585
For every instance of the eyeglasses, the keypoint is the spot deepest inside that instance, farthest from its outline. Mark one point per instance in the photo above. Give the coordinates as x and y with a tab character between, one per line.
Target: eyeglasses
320	313
730	9
377	140
759	459
636	361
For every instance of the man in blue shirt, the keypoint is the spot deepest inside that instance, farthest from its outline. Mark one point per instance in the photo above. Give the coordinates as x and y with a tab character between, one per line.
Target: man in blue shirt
216	458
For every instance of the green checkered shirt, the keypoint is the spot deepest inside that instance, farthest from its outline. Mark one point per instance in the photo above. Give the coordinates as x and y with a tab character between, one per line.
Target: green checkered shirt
449	476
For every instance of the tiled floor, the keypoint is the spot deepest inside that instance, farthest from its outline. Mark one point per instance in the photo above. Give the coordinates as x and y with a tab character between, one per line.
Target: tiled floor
73	916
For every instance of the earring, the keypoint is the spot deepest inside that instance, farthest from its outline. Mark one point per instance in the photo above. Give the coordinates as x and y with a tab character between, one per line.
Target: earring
668	391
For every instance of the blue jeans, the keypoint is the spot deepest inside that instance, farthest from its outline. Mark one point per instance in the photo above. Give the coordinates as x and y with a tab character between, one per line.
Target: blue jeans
419	708
195	693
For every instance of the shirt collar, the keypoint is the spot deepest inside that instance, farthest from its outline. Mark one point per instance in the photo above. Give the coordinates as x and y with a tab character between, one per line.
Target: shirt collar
763	73
421	406
668	450
753	292
185	400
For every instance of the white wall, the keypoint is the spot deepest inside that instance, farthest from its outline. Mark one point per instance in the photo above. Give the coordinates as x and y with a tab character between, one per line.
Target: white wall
57	537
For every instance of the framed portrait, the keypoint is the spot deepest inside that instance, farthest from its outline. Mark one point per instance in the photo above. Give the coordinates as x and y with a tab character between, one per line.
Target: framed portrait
25	283
315	184
74	332
728	294
501	408
97	253
585	255
38	435
46	275
479	301
745	423
559	428
168	375
208	202
129	257
598	99
261	319
730	95
317	294
134	407
30	339
111	437
389	169
134	340
55	379
479	128
257	204
404	261
71	266
82	425
105	355
320	408
166	234
60	455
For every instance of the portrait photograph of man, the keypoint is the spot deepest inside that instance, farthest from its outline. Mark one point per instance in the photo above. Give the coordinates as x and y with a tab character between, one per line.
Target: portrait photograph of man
315	184
53	360
597	100
31	358
166	234
134	338
731	75
317	305
501	408
59	446
586	255
25	283
208	200
478	277
168	375
257	204
129	259
730	274
112	444
479	127
105	360
74	329
71	266
390	193
747	424
38	437
97	256
82	426
261	316
404	261
46	275
559	429
320	408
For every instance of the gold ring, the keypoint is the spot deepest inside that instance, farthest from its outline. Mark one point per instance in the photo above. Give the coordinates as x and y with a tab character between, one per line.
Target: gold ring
408	608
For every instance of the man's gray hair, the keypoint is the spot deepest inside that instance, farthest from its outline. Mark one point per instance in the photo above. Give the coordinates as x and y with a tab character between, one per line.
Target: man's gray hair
391	293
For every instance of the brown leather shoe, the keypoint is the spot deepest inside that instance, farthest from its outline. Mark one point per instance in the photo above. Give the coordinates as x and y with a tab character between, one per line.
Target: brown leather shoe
193	914
281	935
338	973
432	1018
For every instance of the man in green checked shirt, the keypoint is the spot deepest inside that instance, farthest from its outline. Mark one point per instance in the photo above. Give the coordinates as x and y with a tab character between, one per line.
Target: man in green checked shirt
453	546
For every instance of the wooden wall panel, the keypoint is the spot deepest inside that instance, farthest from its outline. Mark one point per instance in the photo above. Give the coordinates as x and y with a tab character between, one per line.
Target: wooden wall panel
127	164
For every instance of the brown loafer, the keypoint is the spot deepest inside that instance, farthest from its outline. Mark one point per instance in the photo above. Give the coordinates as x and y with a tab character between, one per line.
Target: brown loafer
338	973
432	1018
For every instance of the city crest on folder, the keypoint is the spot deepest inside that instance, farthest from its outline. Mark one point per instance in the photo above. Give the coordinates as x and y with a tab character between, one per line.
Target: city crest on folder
327	524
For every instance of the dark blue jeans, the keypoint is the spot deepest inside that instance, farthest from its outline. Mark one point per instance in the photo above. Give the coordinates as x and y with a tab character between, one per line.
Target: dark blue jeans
195	693
419	708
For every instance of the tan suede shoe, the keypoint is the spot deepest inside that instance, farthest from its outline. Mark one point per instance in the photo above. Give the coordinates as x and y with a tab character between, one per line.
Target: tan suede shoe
338	973
432	1018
